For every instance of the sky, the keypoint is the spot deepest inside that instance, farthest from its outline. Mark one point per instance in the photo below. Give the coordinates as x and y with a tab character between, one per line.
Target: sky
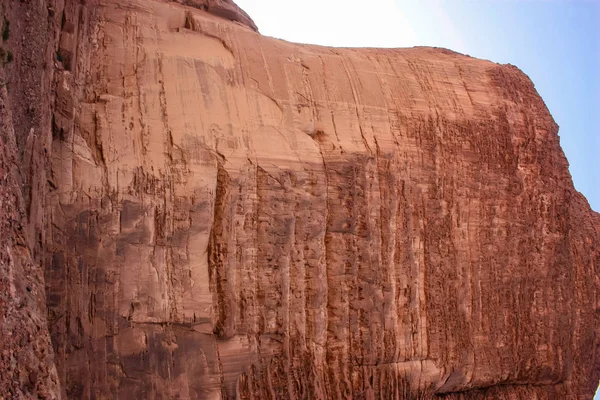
555	42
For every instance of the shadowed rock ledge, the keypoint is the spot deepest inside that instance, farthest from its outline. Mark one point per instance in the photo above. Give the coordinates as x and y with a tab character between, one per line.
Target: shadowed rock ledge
192	210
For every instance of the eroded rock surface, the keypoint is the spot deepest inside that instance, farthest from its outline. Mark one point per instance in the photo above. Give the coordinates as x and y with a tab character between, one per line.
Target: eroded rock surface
233	216
28	35
222	8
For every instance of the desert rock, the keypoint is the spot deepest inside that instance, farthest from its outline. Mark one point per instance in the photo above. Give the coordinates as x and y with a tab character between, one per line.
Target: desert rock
227	215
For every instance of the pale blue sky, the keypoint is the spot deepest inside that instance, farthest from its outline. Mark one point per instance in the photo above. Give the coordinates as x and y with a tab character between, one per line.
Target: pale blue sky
555	42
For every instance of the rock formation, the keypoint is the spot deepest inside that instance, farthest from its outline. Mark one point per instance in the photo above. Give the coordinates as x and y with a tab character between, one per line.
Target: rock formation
217	214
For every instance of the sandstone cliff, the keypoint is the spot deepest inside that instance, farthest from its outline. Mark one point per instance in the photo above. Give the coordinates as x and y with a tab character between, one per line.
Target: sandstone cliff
218	214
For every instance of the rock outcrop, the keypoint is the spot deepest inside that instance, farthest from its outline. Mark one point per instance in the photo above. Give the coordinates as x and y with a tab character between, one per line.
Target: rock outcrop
219	214
28	35
226	9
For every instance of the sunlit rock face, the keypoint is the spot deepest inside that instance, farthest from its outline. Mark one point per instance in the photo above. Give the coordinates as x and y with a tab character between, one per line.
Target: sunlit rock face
234	216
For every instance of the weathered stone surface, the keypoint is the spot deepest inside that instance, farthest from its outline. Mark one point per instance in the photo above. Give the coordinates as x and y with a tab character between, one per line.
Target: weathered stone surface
27	41
222	8
236	216
26	359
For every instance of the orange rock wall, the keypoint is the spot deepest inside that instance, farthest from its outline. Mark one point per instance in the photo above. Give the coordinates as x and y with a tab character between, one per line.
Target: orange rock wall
234	216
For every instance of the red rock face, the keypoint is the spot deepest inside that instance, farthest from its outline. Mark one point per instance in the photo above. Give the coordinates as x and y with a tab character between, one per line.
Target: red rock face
233	216
226	9
27	368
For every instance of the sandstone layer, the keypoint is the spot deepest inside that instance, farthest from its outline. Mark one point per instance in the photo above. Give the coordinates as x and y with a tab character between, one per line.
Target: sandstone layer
219	214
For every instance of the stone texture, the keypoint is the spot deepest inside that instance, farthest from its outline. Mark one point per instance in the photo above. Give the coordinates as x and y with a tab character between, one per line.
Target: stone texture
226	9
26	359
29	31
233	216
